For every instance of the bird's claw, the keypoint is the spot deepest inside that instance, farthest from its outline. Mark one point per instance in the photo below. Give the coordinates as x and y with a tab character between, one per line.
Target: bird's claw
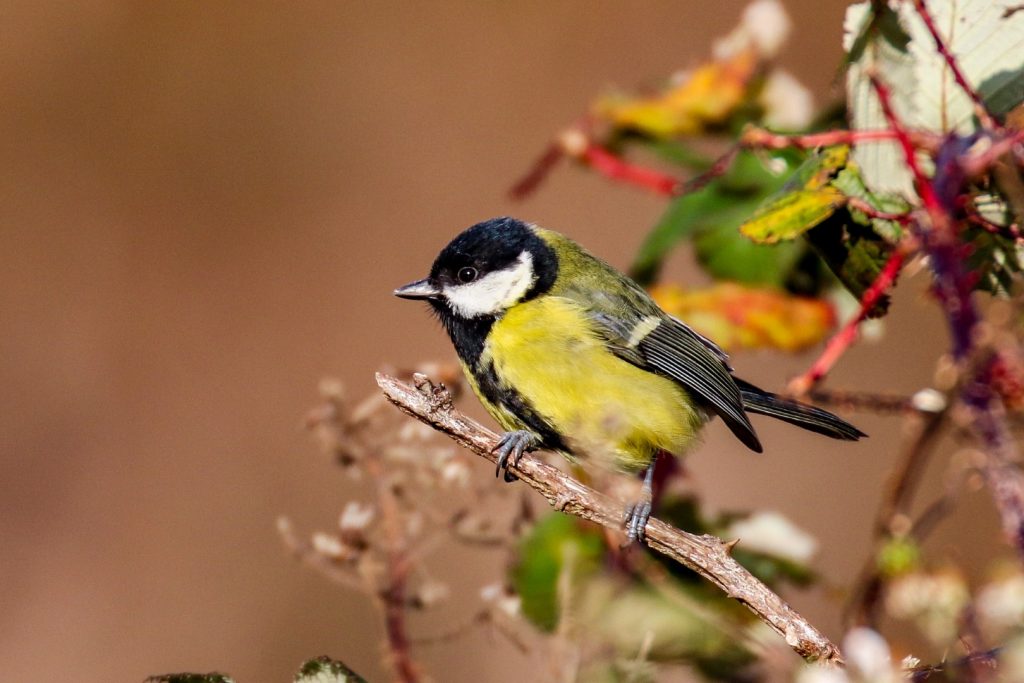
635	520
510	451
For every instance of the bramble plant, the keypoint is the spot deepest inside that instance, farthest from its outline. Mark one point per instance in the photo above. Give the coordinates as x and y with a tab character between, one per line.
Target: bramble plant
803	218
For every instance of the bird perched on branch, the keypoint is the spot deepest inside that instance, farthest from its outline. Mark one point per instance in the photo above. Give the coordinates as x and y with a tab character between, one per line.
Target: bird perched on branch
570	355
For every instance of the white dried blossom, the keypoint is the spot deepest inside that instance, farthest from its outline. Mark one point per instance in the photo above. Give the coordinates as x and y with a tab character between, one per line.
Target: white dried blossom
933	602
1000	606
764	26
501	599
356	517
818	673
431	592
330	545
491	592
788	104
511	605
928	401
414	524
771	533
868	657
909	662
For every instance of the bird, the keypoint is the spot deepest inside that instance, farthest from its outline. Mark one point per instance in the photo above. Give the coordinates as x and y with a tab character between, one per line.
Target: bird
568	354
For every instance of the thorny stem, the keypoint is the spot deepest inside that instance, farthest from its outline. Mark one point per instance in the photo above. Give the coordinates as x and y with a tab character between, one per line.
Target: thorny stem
953	288
842	339
765	139
707	555
940	44
578	143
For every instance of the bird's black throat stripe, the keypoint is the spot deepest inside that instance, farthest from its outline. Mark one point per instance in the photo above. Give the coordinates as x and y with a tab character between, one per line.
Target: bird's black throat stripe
511	400
469	336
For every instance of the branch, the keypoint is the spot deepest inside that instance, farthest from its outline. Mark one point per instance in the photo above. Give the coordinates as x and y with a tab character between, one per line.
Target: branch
842	339
707	555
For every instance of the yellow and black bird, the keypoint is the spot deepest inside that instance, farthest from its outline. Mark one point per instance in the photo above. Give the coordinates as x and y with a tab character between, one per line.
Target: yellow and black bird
570	355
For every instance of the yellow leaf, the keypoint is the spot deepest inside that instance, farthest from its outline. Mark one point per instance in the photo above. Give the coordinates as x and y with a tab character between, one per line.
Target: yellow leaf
792	214
739	317
806	200
707	96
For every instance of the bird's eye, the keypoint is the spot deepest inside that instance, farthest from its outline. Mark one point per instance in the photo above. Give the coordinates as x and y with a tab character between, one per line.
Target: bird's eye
466	274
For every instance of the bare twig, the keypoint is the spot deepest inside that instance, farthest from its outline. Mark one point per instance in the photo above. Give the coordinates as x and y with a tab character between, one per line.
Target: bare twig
880	403
707	555
892	517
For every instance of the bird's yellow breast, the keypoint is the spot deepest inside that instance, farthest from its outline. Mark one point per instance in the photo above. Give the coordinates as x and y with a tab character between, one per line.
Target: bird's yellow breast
549	352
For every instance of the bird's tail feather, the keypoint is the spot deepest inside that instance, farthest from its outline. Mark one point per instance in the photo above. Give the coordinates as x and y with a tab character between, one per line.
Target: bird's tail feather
756	400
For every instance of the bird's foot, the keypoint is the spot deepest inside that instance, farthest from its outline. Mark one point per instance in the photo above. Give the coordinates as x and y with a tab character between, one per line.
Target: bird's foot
638	513
510	450
635	520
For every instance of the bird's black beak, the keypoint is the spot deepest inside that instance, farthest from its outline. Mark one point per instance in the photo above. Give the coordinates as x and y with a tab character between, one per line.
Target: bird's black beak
421	289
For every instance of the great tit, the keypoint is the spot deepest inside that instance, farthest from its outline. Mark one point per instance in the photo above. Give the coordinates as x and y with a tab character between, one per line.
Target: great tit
570	355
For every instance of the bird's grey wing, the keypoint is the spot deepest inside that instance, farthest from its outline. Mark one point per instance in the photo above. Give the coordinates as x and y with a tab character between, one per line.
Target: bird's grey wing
660	343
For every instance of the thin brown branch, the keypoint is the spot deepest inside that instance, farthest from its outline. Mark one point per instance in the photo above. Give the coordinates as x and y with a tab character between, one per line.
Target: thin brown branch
862	401
892	516
707	555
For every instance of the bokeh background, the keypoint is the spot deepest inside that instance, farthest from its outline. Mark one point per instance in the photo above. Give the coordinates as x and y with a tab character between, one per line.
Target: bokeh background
204	207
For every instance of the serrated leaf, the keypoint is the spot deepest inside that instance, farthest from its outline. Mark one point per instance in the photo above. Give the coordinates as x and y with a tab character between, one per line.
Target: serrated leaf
887	53
988	44
739	317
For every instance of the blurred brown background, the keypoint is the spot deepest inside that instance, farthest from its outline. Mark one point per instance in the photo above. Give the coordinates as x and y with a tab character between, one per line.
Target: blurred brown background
204	208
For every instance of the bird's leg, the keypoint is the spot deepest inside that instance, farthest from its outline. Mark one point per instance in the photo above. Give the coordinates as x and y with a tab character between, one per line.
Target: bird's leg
513	445
638	513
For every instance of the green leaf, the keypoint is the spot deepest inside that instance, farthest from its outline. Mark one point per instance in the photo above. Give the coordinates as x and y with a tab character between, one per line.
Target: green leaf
711	216
994	259
853	252
326	670
725	254
558	543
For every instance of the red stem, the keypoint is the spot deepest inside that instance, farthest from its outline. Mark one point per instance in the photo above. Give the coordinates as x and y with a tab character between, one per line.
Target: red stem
979	107
759	137
616	168
843	339
538	172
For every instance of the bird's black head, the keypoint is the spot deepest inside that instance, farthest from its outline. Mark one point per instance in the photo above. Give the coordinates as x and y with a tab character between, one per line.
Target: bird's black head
487	269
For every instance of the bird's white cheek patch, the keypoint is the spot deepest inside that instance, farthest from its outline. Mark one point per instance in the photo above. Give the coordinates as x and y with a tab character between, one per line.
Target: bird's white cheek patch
494	292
